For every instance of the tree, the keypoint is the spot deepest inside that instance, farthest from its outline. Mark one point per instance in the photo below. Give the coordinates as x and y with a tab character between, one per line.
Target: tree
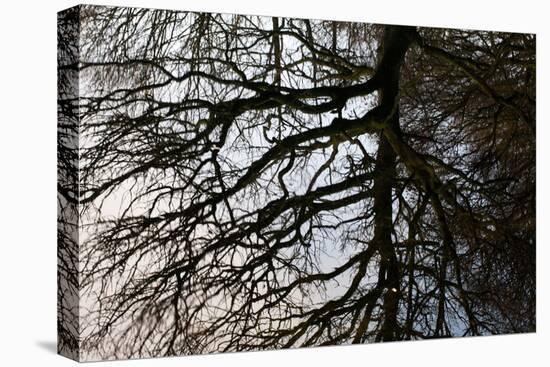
251	183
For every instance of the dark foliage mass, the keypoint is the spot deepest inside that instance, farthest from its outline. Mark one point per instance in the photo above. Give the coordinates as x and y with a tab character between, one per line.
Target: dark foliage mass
249	183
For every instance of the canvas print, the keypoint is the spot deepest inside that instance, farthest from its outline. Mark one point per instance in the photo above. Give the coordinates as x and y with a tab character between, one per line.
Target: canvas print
235	183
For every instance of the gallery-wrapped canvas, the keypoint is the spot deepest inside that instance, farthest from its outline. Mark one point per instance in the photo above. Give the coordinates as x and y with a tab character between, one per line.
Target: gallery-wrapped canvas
241	183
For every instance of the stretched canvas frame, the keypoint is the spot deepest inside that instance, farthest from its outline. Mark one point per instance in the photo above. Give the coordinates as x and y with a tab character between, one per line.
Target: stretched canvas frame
236	183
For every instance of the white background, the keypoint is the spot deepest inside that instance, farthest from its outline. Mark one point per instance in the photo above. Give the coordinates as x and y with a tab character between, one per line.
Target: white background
28	182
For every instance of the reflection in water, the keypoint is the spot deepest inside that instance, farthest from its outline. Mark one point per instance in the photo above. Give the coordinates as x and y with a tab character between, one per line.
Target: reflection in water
235	183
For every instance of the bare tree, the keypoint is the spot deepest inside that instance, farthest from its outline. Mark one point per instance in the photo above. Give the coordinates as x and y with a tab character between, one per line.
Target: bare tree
251	183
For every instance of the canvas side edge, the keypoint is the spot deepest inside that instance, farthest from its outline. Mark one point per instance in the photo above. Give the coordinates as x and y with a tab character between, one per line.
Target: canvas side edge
68	218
